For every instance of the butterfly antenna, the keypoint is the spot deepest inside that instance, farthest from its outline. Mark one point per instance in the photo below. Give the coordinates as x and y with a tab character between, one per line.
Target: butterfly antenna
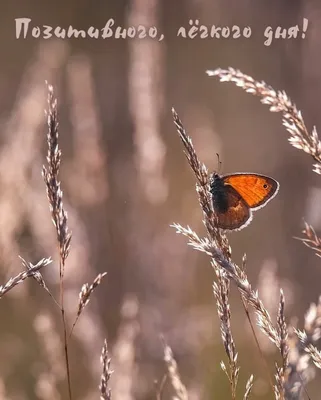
219	163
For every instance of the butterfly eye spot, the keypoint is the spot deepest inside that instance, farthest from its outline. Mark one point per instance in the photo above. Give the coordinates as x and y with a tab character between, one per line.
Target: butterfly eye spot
265	186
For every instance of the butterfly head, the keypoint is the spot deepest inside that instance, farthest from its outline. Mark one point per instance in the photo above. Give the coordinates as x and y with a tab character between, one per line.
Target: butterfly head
216	182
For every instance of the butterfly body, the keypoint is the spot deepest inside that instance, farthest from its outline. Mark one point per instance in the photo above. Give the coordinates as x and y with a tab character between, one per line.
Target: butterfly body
234	196
220	193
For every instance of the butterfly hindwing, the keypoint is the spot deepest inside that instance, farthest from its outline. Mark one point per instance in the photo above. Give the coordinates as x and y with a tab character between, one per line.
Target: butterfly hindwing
237	213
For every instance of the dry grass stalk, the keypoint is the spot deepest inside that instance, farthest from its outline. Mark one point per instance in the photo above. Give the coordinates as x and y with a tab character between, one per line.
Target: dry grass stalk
312	333
105	391
239	278
312	322
173	374
314	353
216	245
38	277
278	101
280	376
21	143
50	175
201	174
299	356
59	215
30	272
299	372
283	332
299	353
248	388
312	240
84	296
221	293
159	385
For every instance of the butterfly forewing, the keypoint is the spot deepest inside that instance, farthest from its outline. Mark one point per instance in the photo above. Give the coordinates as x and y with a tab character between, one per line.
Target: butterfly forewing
256	190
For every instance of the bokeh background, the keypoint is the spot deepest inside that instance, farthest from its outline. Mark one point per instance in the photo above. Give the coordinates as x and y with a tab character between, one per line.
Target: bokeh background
125	180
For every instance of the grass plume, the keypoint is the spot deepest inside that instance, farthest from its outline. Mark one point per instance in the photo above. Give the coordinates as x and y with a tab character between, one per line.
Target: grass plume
173	374
221	293
59	216
216	245
30	272
300	137
105	391
84	296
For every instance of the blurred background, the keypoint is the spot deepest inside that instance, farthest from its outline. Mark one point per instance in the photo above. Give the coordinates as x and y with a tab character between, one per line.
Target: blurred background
125	180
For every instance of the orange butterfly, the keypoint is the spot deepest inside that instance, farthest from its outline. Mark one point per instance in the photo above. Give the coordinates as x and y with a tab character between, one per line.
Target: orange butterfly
234	197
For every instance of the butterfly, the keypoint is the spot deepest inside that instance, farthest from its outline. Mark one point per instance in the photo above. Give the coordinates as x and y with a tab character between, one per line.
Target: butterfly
235	196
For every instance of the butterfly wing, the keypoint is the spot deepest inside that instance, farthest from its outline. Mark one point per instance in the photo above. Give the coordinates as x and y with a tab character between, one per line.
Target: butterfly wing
237	214
256	190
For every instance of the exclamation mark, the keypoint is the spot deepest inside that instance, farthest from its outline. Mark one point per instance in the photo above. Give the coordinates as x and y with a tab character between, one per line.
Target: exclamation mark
305	27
